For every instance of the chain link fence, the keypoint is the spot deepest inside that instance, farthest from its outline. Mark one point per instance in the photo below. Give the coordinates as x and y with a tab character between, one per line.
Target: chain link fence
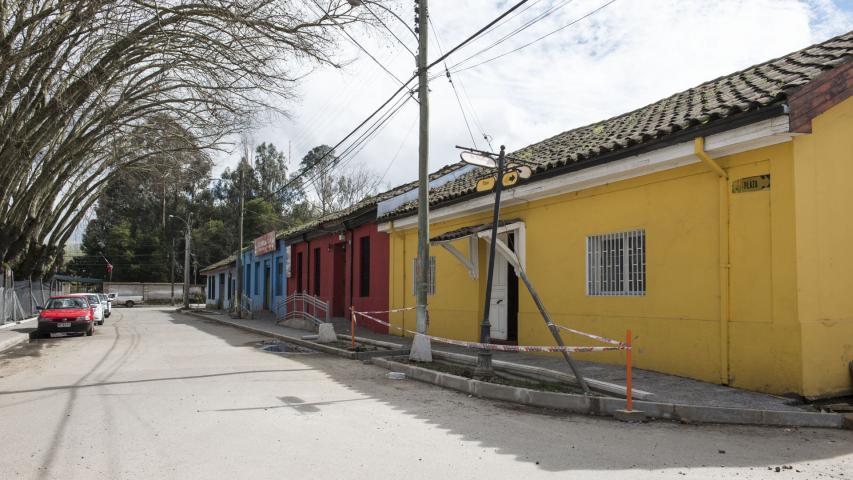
20	300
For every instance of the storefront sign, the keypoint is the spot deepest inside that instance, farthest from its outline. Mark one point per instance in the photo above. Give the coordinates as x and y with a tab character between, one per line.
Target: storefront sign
265	243
751	184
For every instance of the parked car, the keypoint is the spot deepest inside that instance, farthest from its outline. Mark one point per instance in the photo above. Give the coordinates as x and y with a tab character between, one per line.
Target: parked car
66	314
95	302
127	300
107	303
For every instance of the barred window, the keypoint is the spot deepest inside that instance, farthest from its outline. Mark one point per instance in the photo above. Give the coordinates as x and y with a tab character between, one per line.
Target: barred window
431	281
616	263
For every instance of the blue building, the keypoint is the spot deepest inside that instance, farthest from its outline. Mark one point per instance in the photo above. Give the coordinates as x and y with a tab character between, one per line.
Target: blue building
221	283
265	273
265	270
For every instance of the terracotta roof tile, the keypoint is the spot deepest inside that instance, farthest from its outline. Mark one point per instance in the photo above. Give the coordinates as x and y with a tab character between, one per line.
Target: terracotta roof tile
751	89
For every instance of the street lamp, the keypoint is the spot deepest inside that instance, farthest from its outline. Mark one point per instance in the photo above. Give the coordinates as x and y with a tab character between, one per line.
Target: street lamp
487	160
506	176
187	237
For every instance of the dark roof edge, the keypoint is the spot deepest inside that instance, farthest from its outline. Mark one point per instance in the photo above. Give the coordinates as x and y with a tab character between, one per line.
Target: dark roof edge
719	126
347	222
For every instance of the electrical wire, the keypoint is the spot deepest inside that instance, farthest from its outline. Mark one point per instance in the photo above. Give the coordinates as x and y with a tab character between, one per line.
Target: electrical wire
538	18
450	80
381	65
399	149
387	28
587	15
358	127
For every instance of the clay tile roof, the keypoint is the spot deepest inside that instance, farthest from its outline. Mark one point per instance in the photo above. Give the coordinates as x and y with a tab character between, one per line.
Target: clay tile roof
364	205
751	89
469	230
222	263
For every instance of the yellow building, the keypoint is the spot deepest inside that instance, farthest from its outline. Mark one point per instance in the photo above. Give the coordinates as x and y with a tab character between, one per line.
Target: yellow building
717	224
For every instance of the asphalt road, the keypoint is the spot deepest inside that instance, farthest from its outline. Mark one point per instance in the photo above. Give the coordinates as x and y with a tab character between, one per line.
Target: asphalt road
156	394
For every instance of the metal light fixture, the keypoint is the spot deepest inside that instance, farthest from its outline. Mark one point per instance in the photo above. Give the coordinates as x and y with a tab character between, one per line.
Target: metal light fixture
472	158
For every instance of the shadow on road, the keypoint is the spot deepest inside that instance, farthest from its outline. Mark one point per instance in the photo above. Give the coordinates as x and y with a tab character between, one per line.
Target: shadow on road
553	440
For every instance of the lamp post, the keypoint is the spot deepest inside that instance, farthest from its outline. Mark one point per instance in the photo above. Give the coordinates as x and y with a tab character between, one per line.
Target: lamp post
187	239
482	159
507	176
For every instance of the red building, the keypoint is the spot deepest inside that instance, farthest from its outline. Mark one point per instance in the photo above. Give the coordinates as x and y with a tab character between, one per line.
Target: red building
345	267
343	259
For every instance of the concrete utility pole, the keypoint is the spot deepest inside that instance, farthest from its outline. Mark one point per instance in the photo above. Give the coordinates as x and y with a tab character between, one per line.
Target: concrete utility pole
172	269
422	17
187	240
238	301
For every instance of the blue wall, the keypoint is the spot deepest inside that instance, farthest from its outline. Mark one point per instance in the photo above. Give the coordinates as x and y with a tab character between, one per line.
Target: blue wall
255	276
216	290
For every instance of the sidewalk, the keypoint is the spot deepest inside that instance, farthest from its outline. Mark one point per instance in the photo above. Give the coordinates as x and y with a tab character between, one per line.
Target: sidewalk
13	334
666	388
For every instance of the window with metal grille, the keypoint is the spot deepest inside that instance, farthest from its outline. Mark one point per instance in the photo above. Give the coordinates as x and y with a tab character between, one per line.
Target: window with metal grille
616	263
416	267
364	266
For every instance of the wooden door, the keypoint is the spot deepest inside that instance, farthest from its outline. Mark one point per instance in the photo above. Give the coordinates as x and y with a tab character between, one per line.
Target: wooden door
498	304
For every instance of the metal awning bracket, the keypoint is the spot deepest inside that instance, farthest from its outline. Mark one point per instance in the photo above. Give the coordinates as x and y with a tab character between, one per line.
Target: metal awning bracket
471	261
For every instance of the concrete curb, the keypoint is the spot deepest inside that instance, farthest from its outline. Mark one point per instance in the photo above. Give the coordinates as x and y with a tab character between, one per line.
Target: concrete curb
307	343
604	406
16	338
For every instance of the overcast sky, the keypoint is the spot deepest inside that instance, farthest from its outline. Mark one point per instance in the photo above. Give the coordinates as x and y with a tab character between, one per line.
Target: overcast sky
624	56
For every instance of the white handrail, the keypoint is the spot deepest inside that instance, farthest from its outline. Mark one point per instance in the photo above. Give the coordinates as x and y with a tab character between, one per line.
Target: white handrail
303	305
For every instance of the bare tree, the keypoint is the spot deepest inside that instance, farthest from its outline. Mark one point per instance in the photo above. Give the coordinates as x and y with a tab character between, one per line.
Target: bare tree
354	185
80	80
333	190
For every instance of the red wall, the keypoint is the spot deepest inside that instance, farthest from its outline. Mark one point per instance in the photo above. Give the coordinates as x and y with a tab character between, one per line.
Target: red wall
378	294
378	298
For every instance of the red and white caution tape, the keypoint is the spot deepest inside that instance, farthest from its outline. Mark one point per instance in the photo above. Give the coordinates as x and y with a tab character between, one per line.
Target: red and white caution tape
381	322
521	348
393	310
590	335
511	348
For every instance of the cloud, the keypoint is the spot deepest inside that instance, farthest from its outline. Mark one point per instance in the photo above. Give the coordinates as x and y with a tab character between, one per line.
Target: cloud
625	56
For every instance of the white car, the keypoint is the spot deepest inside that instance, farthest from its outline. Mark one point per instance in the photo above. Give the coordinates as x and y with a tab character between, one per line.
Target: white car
107	303
127	300
95	303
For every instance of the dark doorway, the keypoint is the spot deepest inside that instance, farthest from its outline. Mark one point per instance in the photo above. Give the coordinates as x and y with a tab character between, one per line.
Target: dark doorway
339	275
299	272
221	291
267	284
512	297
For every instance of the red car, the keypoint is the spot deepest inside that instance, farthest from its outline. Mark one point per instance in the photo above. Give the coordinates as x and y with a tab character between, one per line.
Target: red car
66	314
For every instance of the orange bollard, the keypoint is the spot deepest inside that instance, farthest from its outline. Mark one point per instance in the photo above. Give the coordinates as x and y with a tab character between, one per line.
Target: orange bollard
352	326
629	403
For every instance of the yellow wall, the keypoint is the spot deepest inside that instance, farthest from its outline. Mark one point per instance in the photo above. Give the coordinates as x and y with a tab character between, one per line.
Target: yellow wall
764	344
824	212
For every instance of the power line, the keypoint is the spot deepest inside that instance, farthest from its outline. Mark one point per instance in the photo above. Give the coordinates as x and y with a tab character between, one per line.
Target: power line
450	80
589	14
518	30
381	65
365	5
365	137
399	149
461	108
403	87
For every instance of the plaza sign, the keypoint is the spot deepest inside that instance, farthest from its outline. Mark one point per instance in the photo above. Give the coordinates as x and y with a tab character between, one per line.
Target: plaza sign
265	243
